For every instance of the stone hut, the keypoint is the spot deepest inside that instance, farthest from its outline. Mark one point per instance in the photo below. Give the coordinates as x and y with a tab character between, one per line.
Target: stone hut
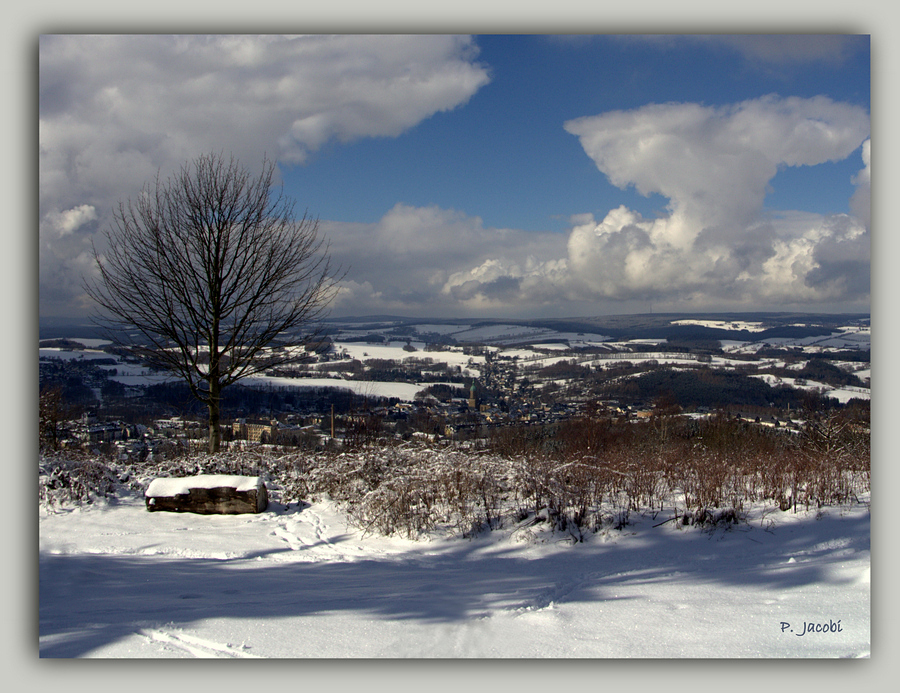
208	494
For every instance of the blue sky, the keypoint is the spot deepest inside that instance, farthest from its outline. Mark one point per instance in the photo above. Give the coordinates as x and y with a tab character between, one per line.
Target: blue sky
506	158
501	176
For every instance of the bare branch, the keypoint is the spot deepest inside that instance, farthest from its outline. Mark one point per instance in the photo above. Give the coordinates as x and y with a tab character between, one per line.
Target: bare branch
209	268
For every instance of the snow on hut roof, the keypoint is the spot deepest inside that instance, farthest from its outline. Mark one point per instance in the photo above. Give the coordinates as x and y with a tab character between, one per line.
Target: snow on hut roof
166	487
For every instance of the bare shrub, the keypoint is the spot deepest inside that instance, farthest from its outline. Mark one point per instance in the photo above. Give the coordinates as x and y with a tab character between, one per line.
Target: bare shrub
706	517
582	476
66	481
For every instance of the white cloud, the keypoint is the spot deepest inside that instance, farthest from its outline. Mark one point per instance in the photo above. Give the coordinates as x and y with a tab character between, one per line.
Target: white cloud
442	262
187	94
115	110
716	248
68	221
718	243
498	284
714	164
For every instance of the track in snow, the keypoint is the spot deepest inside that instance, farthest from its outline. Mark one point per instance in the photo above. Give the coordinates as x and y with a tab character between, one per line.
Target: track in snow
199	647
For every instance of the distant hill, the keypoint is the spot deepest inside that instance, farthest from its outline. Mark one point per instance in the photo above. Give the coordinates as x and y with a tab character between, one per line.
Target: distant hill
665	325
670	326
67	328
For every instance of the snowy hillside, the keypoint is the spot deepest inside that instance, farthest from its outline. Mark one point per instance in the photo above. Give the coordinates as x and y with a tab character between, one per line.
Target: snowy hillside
298	581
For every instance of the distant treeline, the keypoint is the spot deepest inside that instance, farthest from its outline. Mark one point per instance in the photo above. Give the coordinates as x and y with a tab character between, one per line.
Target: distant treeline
704	387
68	344
824	371
241	400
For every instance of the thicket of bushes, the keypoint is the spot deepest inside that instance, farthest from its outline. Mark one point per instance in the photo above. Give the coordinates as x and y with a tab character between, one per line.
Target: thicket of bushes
579	476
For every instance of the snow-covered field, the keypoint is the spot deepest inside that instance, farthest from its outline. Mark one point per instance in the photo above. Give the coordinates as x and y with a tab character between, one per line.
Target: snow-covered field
297	582
129	374
849	337
393	351
471	366
842	394
365	388
724	324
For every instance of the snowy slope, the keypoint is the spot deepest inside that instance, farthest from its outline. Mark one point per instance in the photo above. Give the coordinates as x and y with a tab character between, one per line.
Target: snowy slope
296	581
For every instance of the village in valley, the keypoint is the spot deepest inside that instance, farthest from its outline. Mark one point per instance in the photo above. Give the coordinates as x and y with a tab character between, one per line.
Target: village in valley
383	379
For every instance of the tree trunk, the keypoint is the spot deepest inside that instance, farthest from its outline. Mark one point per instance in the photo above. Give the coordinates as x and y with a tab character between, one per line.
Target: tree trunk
215	432
215	384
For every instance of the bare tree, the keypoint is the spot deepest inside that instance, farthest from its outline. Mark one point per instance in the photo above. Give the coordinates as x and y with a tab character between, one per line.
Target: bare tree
211	270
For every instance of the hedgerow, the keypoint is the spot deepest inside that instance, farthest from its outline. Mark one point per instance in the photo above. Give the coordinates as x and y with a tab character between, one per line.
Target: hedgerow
581	476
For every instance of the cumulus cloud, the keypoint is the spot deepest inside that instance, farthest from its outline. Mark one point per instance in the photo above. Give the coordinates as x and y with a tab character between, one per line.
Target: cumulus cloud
115	110
716	247
443	262
717	243
715	164
68	221
171	95
503	284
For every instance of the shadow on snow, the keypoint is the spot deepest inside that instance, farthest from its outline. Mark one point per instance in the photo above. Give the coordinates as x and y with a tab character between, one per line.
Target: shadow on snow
87	601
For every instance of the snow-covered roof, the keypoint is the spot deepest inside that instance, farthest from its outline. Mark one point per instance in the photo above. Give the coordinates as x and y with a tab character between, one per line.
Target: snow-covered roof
167	487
